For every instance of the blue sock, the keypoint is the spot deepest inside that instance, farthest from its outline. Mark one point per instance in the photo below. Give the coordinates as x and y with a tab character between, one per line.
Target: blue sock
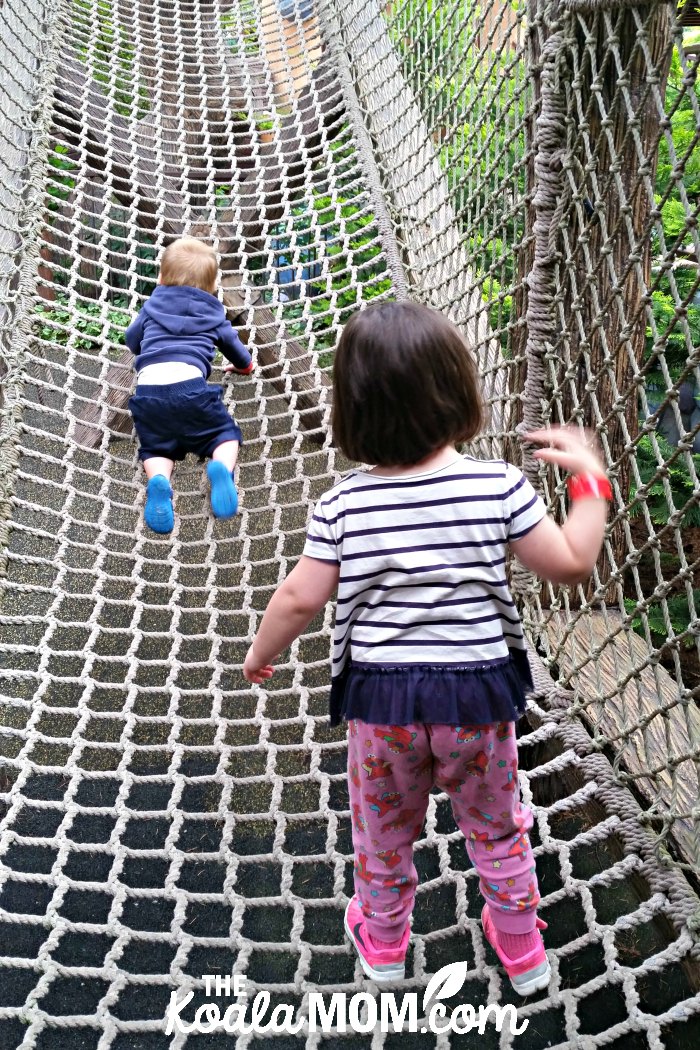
158	512
224	497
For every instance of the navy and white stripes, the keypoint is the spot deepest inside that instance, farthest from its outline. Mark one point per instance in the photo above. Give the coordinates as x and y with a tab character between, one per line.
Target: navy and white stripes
423	563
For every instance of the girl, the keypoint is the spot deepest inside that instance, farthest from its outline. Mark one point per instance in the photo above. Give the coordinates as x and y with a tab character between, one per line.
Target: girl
429	660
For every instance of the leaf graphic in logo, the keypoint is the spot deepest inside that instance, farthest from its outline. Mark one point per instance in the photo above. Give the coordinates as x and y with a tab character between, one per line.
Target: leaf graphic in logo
446	982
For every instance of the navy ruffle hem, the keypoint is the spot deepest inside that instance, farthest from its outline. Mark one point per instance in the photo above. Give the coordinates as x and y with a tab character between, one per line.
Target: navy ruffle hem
447	694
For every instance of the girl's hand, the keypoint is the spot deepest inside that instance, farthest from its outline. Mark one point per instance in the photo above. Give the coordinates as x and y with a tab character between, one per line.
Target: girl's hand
292	607
239	371
574	449
567	554
254	671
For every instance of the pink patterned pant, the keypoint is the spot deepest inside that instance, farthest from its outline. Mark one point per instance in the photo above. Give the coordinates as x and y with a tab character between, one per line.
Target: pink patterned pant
391	770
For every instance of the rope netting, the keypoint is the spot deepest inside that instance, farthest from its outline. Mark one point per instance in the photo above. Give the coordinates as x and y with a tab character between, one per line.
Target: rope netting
532	171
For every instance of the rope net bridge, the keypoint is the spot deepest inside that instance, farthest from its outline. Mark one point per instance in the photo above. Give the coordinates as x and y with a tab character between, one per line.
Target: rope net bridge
530	169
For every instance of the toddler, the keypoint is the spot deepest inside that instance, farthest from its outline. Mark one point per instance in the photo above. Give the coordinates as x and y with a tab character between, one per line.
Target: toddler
175	410
429	664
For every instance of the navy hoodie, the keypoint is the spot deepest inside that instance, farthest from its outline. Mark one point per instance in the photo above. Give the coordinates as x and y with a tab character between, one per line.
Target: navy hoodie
184	324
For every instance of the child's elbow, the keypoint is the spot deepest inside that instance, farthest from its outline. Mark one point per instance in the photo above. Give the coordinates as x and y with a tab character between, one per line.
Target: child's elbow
302	609
301	605
576	574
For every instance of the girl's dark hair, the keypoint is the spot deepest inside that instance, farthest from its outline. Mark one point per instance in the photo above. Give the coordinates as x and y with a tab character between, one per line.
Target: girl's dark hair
404	385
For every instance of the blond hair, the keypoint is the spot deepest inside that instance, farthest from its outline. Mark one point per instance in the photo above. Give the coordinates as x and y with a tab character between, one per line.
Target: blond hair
190	262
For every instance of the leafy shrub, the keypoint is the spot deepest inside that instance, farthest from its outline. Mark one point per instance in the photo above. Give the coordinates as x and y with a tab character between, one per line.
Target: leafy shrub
678	477
682	489
672	332
54	323
112	58
677	611
474	96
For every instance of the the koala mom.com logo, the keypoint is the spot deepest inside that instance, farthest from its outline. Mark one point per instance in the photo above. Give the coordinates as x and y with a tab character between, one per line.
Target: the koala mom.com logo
339	1012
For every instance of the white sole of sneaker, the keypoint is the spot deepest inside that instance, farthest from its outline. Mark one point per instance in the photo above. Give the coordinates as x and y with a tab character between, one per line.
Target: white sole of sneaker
530	982
537	983
393	973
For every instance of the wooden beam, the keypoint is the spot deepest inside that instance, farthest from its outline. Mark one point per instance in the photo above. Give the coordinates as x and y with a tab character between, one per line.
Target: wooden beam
644	720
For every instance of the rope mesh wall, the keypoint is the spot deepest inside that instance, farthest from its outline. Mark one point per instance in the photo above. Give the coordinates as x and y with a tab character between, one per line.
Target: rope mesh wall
570	142
159	819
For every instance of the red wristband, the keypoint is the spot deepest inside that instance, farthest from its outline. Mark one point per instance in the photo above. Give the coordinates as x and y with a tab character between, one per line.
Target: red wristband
589	486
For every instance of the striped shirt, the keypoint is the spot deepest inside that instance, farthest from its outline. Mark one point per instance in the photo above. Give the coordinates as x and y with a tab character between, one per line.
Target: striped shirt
422	562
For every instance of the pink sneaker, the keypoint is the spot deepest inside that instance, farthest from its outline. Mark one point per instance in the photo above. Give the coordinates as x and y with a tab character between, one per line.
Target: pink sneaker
381	964
530	973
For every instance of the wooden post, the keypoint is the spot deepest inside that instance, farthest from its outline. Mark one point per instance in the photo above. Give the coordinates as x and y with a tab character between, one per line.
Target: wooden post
606	302
605	258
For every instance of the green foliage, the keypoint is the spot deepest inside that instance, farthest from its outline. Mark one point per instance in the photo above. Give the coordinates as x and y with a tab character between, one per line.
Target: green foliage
60	183
474	98
55	323
678	478
683	131
677	193
339	229
245	17
112	58
345	293
675	333
678	615
682	489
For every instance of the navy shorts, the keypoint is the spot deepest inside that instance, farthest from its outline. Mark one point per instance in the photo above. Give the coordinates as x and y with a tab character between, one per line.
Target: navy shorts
178	418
